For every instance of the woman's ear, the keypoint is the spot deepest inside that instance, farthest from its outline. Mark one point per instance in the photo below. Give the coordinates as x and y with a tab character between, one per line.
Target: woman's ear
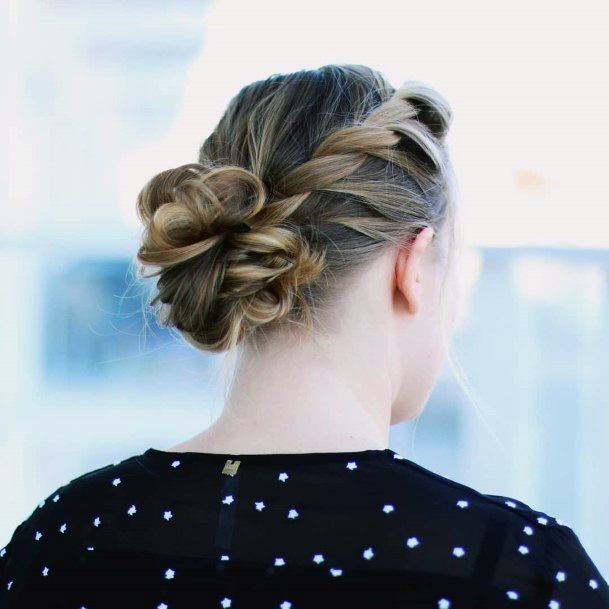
409	269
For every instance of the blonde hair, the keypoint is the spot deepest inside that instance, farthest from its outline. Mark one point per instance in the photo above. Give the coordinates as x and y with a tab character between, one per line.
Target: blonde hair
326	166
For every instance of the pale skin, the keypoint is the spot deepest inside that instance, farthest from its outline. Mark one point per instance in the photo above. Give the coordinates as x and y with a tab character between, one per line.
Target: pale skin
342	391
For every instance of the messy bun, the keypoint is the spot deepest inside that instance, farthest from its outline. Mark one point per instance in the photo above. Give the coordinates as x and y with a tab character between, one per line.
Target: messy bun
306	176
219	282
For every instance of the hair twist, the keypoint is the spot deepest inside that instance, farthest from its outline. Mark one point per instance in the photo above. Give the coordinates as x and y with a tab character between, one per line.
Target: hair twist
306	175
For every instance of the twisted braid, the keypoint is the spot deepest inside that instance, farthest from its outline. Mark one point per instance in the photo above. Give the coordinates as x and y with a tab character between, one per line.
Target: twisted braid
217	285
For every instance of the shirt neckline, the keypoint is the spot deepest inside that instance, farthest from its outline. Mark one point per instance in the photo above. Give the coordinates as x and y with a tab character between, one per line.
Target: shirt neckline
271	458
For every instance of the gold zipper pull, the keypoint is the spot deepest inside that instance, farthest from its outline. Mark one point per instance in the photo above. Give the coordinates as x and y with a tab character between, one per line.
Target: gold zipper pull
230	467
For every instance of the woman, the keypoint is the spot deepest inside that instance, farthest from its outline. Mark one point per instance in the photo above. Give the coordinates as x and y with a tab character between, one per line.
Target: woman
316	236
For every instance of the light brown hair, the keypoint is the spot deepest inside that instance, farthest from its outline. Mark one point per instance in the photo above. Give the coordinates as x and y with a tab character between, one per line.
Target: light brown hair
326	166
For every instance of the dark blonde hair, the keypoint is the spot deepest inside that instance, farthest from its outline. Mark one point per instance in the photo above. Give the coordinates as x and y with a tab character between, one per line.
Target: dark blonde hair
326	167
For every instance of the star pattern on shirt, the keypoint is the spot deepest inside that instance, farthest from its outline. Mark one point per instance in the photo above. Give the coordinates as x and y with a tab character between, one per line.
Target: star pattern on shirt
170	574
279	508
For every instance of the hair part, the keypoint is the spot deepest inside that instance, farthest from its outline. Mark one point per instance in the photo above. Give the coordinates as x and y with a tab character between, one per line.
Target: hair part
327	167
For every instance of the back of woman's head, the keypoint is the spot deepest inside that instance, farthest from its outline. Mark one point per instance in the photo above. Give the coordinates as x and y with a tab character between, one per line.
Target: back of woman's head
306	178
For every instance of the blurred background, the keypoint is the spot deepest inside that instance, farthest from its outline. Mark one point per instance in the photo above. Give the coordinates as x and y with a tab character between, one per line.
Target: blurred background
100	95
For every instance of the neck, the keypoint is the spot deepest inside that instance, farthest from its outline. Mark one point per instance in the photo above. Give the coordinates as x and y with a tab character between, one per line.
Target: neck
292	397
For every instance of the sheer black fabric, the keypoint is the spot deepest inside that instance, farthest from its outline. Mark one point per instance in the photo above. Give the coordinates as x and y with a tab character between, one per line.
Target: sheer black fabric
168	530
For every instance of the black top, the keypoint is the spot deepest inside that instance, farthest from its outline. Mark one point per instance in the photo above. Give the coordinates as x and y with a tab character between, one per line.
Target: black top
169	530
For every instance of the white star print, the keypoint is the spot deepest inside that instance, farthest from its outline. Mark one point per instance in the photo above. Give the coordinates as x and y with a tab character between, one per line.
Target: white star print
132	510
462	503
292	514
368	553
226	602
279	562
398	456
175	464
443	603
167	515
96	521
259	505
554	605
388	508
336	572
38	535
510	504
285	605
318	558
542	520
224	557
351	465
2	552
458	552
63	527
528	530
283	476
170	574
90	548
162	606
9	585
228	500
41	503
56	498
512	595
593	584
116	481
523	549
561	576
412	542
45	571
